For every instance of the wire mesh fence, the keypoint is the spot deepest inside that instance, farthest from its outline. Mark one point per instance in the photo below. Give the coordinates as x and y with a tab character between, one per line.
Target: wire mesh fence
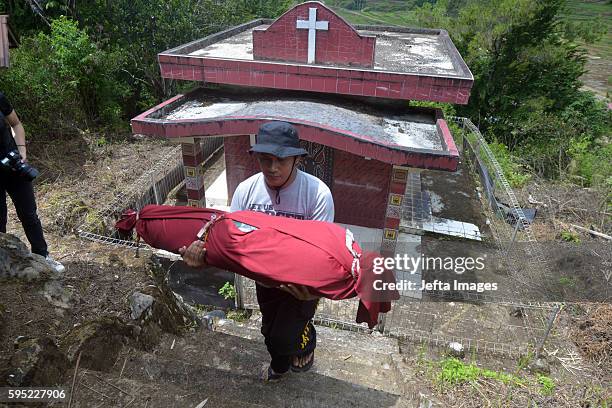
482	323
508	324
152	187
517	248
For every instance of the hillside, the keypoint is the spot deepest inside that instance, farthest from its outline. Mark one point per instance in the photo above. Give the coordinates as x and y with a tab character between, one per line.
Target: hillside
397	12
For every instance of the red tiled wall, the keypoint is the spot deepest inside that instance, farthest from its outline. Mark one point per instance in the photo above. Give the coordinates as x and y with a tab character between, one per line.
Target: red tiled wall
340	44
360	189
239	165
317	79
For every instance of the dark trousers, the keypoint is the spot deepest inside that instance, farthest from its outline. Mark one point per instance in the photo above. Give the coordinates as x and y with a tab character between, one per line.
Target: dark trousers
286	326
22	193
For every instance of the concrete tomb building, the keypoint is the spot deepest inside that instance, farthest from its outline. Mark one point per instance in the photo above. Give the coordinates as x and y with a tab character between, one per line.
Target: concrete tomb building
345	88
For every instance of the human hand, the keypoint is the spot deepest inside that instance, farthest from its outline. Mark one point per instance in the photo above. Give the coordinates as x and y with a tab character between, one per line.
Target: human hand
194	255
23	153
299	292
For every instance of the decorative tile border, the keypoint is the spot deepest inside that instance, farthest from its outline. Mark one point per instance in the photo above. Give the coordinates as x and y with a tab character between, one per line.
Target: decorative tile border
193	160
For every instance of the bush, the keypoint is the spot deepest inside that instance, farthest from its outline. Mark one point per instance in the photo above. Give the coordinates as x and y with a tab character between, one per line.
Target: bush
62	80
513	171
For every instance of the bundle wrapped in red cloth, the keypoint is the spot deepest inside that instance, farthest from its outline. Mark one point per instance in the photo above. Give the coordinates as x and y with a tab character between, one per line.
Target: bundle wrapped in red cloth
274	251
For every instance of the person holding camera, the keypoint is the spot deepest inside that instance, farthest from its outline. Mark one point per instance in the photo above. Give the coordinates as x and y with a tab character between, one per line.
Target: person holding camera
16	179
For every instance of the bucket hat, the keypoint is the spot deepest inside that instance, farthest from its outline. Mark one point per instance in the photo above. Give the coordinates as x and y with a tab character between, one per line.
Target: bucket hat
279	139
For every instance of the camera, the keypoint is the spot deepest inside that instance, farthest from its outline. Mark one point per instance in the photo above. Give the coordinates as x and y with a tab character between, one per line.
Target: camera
13	162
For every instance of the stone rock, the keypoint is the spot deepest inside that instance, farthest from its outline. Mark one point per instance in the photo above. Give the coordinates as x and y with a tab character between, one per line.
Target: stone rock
16	261
159	311
539	366
455	349
98	341
58	295
517	312
139	303
213	318
37	362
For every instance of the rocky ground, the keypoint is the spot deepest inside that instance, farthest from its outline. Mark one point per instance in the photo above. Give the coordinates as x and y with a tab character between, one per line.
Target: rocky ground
110	330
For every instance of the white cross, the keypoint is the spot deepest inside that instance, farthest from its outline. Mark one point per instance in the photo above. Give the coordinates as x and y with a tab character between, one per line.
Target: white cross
312	25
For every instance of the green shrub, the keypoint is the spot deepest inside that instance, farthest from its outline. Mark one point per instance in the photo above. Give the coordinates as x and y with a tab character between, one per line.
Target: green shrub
547	385
513	171
62	80
570	236
591	162
228	291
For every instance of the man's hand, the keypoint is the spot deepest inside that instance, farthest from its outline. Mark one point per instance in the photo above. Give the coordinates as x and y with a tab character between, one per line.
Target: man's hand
299	292
23	153
195	255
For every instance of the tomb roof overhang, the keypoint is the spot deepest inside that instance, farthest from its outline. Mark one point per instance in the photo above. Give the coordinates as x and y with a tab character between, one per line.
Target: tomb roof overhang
416	137
408	63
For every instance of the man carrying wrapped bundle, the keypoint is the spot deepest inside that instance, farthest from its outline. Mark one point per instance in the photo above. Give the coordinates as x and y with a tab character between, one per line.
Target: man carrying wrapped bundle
280	189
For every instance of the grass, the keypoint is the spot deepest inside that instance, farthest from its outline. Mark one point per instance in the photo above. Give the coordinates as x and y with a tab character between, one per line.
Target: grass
598	77
589	11
454	371
377	12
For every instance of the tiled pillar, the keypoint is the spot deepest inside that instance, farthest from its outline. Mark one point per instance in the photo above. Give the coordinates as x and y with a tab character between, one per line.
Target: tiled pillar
397	188
193	160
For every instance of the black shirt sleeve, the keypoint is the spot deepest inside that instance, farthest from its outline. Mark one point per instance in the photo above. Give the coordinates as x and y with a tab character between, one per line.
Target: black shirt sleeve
5	106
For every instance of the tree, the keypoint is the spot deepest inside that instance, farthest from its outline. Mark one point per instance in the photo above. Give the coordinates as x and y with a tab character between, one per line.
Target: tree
62	80
527	71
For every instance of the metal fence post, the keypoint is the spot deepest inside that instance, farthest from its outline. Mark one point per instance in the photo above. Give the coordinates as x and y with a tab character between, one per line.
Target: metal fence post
549	325
511	243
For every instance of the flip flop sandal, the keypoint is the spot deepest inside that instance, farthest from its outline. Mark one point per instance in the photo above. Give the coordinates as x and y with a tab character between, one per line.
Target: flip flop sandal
268	375
303	369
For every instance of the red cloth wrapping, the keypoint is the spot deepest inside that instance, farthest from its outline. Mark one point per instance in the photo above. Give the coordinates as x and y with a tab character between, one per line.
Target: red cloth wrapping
280	251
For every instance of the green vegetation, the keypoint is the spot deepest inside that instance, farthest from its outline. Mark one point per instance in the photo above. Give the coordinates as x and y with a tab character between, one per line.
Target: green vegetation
570	236
61	80
240	315
598	16
93	66
527	58
527	71
377	12
547	384
454	371
515	173
228	291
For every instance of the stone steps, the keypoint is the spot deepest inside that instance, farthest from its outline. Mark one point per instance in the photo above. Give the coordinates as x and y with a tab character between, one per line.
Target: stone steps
342	355
351	370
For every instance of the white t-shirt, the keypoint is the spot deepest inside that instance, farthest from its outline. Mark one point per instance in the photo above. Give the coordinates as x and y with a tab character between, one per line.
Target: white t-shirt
306	198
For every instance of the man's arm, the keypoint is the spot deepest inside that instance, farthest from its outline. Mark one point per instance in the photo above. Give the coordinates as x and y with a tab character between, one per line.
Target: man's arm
195	254
324	207
19	133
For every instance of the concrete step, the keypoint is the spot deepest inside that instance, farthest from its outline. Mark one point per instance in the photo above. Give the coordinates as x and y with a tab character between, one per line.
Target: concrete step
364	359
217	364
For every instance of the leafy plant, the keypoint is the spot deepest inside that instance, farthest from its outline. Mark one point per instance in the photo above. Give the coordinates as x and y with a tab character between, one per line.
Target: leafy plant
454	371
513	171
570	236
228	291
240	315
547	385
524	360
567	281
